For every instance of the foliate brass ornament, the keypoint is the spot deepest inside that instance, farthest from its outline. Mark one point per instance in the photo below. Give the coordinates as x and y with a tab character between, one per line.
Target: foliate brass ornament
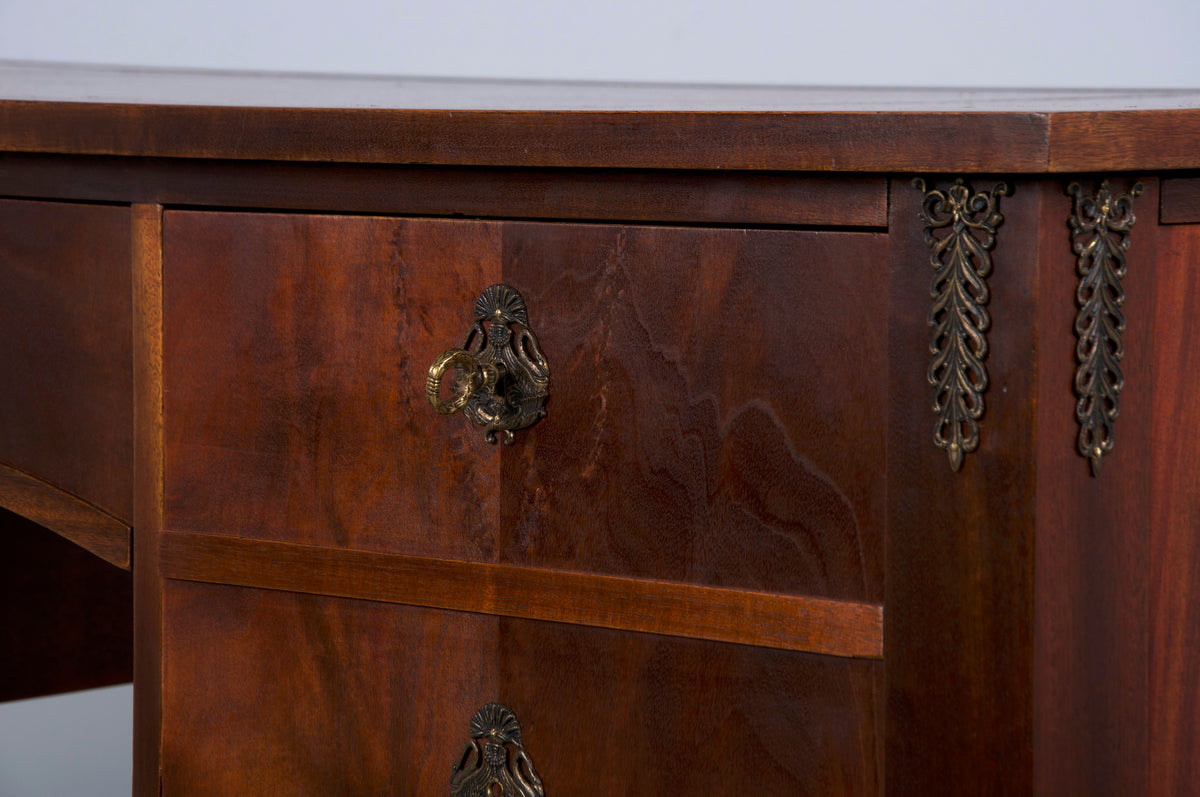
961	263
1100	228
501	377
494	762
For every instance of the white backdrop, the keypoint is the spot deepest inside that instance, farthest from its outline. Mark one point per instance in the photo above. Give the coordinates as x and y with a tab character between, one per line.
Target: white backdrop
1060	43
79	745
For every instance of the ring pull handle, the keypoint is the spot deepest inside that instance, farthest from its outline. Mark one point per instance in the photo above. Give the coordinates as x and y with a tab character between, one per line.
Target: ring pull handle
501	378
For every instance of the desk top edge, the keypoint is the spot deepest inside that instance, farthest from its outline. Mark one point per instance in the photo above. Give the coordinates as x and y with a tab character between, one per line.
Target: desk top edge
119	111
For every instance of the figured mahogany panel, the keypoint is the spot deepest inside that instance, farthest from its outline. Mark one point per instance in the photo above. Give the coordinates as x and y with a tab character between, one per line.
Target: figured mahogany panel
1090	689
610	713
958	640
1174	522
296	350
717	406
66	412
66	615
277	693
375	698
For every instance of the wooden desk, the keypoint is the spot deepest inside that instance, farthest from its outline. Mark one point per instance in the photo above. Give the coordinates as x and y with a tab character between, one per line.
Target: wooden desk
745	551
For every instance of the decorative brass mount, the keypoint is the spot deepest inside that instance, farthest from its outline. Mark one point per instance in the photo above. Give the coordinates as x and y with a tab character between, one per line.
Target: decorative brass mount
959	318
494	762
501	377
1100	228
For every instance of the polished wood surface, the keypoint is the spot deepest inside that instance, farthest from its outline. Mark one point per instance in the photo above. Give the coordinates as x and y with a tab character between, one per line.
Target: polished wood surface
694	432
669	452
392	690
861	142
65	363
641	714
960	566
815	625
289	694
1173	524
1093	533
296	350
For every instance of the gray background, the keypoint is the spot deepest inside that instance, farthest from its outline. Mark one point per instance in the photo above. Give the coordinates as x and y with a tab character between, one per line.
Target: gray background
80	744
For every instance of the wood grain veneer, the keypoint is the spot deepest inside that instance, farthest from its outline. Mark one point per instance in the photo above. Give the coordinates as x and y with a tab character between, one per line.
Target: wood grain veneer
297	349
299	344
960	567
298	695
1093	533
392	688
65	363
698	432
1173	524
659	715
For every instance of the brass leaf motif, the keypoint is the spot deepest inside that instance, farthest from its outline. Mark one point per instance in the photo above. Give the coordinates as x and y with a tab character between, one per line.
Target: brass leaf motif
960	230
1100	229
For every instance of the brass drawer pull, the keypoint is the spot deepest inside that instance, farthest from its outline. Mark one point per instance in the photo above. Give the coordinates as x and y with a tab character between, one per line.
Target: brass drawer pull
494	762
501	378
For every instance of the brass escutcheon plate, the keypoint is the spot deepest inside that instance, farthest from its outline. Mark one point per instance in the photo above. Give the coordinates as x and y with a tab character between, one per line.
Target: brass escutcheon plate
501	377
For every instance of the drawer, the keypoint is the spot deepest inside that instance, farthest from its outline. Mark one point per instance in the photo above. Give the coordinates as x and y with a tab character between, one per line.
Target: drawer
280	693
715	412
66	361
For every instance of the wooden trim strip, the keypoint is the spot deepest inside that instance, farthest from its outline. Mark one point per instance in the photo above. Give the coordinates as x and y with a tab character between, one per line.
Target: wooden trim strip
789	622
751	140
147	498
73	518
720	197
1134	140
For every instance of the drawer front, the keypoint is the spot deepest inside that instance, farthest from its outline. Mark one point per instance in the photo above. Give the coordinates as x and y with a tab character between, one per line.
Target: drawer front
274	692
66	413
295	355
715	410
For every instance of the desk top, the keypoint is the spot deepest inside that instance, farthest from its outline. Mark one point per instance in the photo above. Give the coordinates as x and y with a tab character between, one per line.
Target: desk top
376	119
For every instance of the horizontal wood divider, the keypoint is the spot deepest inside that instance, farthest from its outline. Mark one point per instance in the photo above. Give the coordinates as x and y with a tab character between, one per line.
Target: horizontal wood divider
73	518
789	622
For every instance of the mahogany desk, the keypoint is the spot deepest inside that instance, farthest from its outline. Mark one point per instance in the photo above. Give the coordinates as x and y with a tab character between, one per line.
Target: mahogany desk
853	479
